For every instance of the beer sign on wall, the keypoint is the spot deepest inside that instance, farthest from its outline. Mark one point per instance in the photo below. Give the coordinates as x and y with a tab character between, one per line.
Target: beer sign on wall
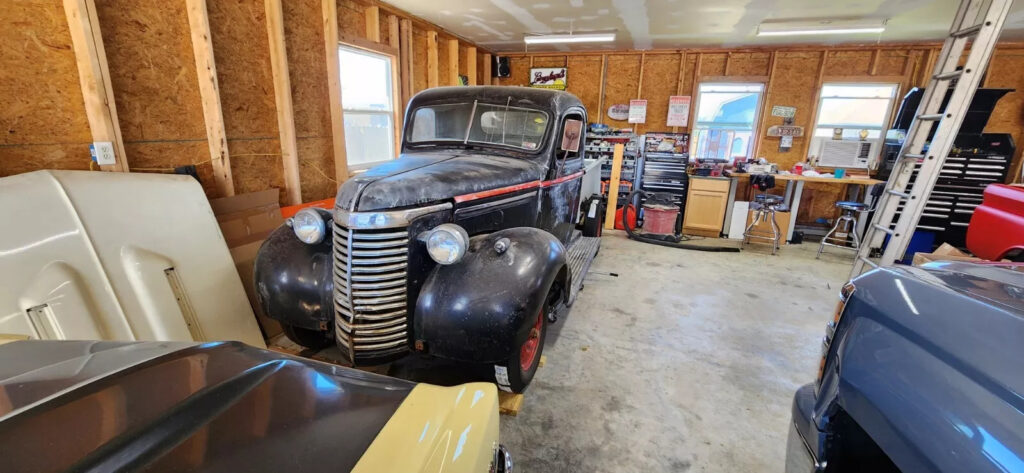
548	77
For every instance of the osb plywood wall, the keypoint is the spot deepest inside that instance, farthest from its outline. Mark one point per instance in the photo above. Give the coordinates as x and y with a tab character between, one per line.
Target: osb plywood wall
246	93
154	80
43	114
153	75
308	72
792	77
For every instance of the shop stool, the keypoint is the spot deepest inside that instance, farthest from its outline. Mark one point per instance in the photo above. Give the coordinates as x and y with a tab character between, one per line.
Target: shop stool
764	206
846	225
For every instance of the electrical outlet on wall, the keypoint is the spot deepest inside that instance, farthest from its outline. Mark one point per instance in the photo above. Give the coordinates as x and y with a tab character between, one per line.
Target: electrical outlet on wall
103	153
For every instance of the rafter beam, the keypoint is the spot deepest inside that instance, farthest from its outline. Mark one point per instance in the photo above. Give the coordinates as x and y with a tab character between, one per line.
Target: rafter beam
432	72
330	24
471	65
94	78
283	101
453	61
488	62
209	93
372	23
405	59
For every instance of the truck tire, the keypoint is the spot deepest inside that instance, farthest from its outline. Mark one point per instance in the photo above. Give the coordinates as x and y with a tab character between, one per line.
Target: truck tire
593	217
315	339
515	373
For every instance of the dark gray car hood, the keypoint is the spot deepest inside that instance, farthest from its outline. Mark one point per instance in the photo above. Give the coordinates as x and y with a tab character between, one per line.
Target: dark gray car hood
422	178
197	407
1001	283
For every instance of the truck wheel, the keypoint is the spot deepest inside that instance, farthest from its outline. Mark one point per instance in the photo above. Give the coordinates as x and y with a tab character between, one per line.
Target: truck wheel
514	374
593	218
308	338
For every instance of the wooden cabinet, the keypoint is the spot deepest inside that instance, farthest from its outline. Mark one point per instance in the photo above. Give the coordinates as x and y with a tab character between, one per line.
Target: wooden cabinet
706	202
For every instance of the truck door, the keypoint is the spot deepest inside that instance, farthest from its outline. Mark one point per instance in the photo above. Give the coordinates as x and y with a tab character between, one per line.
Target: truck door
560	191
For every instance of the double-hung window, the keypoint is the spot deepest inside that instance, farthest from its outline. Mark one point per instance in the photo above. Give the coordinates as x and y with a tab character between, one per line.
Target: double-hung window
367	98
727	115
853	112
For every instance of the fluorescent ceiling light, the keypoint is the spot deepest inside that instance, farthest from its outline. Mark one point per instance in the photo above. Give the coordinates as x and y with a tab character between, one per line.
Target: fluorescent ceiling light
570	38
819	27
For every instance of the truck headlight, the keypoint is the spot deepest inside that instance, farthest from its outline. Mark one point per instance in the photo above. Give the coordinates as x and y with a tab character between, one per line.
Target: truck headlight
447	243
309	226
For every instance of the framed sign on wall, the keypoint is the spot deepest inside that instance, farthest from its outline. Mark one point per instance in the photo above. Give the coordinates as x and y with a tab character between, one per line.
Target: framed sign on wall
619	111
548	77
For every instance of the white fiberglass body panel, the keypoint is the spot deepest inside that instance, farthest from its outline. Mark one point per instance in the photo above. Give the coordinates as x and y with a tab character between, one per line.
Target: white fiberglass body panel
116	256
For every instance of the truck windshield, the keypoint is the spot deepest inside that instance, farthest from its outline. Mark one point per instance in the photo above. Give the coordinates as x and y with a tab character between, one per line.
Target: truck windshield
484	123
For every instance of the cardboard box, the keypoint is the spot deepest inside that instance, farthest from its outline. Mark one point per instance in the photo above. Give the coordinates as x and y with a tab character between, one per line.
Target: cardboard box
247	218
765	228
245	221
945	252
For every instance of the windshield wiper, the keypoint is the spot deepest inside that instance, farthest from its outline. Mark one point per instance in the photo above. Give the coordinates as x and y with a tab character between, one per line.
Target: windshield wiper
504	118
469	123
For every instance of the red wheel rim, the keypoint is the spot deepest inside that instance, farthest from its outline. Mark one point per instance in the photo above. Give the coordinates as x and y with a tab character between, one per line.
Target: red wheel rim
531	346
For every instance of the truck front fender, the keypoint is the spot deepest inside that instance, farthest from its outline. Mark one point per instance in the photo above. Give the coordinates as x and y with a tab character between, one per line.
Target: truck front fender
474	310
294	281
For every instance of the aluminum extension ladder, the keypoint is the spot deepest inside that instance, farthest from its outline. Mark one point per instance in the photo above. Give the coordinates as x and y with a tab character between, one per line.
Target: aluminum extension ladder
972	21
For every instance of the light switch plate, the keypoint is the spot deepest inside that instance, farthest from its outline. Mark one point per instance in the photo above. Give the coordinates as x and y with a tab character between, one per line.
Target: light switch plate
103	152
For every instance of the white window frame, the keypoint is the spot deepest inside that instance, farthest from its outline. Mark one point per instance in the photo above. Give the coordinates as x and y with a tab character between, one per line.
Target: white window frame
752	144
814	149
374	49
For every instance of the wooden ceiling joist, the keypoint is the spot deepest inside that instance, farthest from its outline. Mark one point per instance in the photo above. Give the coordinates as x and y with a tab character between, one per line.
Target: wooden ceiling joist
209	93
94	77
283	101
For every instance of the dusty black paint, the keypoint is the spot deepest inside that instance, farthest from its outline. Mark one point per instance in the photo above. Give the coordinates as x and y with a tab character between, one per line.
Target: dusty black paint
474	310
496	292
422	179
293	280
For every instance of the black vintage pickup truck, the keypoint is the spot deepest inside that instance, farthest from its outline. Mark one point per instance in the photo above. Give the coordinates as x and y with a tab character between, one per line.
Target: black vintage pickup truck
464	247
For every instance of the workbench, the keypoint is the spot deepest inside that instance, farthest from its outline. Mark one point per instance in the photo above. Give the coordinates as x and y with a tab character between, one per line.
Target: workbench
795	188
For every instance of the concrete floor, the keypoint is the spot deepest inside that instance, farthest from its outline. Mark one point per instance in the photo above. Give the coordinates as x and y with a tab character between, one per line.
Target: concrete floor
686	362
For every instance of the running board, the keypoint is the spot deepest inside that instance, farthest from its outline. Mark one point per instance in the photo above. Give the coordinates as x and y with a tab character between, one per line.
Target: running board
582	252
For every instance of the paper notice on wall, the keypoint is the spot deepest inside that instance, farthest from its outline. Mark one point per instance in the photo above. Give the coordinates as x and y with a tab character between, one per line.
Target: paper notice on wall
637	111
678	110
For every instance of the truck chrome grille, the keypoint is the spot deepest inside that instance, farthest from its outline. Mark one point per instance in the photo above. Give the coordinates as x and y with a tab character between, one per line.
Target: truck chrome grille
370	291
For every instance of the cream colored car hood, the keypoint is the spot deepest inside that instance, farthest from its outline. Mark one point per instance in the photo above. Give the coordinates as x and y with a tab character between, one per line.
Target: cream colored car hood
438	430
115	256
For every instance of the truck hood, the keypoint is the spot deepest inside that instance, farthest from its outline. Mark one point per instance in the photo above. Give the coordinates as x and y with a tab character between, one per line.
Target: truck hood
421	178
999	283
178	406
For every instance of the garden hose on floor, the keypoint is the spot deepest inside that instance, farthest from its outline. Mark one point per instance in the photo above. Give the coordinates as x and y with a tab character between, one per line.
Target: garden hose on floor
673	241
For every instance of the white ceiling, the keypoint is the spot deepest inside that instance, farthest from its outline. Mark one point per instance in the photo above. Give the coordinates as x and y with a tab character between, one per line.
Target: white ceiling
500	25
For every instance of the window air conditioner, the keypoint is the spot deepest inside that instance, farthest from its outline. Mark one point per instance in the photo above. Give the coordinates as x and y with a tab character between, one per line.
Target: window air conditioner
845	154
